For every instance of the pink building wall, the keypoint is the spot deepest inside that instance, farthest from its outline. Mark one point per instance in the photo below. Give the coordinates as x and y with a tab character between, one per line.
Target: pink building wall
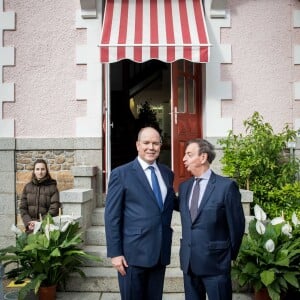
45	70
262	36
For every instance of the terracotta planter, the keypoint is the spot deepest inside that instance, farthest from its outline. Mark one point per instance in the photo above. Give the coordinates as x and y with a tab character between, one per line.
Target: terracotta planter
47	292
262	295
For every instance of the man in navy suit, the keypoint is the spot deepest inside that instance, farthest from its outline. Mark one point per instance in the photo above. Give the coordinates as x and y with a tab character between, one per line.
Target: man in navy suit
213	225
138	226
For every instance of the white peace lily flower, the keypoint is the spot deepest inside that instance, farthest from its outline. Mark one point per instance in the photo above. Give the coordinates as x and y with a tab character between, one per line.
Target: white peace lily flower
287	229
260	227
295	219
65	226
37	226
277	220
49	228
260	215
16	230
58	220
270	245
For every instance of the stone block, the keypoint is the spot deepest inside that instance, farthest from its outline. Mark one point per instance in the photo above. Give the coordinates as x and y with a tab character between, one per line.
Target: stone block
7	204
76	195
84	171
247	196
7	182
7	143
7	161
83	182
6	221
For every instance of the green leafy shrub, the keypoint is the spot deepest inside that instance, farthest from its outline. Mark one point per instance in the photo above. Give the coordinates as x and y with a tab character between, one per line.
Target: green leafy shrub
259	161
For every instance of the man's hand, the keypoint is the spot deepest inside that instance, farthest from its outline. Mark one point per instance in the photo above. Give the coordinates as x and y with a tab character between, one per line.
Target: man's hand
119	263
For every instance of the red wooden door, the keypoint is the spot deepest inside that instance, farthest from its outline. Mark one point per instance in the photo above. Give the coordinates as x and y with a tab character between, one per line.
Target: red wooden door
186	113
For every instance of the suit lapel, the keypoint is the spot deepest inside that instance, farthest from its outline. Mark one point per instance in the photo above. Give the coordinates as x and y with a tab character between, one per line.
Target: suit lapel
141	176
209	188
186	195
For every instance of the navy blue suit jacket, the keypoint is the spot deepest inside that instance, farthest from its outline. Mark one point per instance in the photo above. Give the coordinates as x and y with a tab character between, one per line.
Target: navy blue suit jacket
214	238
134	224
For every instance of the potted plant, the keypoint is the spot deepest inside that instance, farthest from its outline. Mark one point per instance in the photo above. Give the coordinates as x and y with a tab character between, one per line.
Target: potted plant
269	257
48	255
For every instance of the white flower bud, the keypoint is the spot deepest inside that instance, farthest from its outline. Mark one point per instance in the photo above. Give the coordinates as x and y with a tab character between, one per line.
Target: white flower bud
277	220
260	215
287	229
16	230
295	219
260	227
270	245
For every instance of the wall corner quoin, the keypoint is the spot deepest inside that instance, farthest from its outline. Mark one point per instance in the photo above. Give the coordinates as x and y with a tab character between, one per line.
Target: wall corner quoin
7	191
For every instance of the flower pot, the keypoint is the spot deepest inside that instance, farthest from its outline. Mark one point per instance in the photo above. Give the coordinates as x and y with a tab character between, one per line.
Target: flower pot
47	292
262	295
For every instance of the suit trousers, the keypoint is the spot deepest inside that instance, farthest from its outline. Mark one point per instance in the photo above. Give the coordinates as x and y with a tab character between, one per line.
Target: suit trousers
217	287
141	283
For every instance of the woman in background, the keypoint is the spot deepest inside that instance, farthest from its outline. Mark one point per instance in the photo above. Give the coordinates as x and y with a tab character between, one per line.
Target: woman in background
40	196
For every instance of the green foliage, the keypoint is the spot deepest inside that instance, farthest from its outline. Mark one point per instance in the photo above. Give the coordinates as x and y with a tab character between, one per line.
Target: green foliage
147	117
259	162
276	268
48	256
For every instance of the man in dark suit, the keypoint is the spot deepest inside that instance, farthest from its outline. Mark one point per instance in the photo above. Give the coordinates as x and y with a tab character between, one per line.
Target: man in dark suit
137	224
213	225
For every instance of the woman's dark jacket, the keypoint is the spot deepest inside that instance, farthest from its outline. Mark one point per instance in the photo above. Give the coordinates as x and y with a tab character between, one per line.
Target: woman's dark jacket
39	198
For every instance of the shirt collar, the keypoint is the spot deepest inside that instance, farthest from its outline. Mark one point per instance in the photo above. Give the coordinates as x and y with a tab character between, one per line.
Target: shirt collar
146	165
205	175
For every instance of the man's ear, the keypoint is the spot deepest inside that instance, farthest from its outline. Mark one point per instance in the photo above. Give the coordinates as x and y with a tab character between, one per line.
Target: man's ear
203	157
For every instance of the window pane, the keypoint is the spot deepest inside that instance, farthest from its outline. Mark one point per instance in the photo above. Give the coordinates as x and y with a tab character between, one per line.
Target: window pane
191	98
181	107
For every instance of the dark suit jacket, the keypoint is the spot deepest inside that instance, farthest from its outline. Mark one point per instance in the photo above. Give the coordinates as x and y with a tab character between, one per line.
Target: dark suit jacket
135	226
213	240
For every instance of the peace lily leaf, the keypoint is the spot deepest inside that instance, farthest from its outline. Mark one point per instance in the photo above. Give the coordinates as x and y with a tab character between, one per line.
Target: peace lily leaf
292	279
267	277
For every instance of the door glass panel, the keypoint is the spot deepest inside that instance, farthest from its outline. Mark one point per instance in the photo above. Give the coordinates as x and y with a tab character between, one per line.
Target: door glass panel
181	106
180	66
189	68
191	97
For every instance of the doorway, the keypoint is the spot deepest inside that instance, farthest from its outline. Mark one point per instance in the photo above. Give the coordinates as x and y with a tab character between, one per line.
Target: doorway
162	95
140	96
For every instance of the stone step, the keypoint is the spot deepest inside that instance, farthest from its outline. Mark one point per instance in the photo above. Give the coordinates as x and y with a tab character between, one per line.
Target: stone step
101	252
104	279
98	217
95	235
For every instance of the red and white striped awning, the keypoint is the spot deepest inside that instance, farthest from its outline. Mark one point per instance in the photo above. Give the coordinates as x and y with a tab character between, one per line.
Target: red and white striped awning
166	30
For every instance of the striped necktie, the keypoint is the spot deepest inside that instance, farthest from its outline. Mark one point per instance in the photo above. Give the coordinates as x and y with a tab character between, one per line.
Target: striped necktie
195	199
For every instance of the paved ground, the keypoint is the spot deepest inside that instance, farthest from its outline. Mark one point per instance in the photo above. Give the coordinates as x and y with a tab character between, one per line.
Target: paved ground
11	295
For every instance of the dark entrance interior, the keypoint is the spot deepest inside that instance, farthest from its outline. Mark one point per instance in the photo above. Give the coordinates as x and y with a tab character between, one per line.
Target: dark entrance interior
140	96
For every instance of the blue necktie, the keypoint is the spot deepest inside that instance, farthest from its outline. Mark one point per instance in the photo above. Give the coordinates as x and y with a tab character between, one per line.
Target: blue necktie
155	187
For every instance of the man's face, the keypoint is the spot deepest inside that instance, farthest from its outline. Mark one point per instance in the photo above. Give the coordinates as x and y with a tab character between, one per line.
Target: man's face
148	146
194	162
